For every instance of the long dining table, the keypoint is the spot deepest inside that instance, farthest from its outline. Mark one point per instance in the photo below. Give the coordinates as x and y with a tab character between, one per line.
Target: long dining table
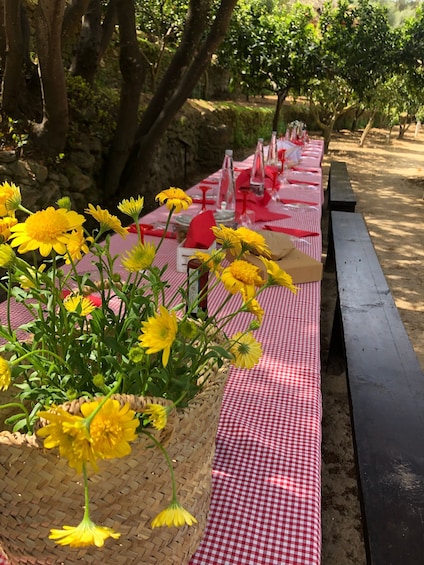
265	506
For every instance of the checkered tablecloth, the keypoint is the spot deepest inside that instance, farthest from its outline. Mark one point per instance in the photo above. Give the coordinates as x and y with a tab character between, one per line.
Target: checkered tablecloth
266	486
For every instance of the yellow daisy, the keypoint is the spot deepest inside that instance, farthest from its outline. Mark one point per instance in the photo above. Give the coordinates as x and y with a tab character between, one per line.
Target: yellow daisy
174	515
5	374
227	238
30	278
246	350
132	207
159	333
253	241
139	257
46	230
69	433
253	306
79	304
7	256
111	429
77	246
158	415
211	260
85	534
10	198
278	276
241	276
106	220
175	199
5	224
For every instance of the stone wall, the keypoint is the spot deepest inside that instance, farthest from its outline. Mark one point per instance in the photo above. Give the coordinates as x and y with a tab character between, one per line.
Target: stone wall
196	140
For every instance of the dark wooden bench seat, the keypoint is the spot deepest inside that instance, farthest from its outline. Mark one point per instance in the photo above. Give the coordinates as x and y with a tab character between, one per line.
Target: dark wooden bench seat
340	192
386	388
340	196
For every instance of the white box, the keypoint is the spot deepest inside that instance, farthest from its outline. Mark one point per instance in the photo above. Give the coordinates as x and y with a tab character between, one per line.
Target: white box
185	253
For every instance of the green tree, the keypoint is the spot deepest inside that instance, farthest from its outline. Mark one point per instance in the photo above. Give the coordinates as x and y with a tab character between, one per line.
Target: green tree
272	49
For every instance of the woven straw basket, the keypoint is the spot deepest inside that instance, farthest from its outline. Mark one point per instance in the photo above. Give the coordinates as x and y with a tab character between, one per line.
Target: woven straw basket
39	491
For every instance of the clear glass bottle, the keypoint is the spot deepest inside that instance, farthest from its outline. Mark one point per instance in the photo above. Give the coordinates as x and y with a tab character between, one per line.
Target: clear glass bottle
257	175
272	157
226	198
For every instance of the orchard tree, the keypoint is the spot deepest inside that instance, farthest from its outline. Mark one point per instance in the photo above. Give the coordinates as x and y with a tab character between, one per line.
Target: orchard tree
272	49
360	48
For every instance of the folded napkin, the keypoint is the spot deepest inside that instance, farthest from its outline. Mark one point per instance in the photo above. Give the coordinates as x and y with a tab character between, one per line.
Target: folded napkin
200	234
291	231
157	232
296	201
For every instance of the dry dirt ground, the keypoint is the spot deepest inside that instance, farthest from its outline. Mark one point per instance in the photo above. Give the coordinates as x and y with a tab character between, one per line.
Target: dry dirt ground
387	176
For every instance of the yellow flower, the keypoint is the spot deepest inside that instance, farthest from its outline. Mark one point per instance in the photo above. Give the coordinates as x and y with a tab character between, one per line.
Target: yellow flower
253	306
77	246
46	230
226	237
211	260
159	333
252	241
241	276
174	515
139	257
7	256
107	220
70	434
277	276
5	224
246	350
158	415
174	198
5	374
132	207
111	429
79	304
29	280
10	198
85	534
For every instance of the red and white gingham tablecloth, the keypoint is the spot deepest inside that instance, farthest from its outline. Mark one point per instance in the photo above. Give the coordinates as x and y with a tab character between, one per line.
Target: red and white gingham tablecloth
266	486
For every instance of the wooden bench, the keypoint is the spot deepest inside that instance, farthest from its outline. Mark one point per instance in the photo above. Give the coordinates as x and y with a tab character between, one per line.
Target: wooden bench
340	196
340	192
386	387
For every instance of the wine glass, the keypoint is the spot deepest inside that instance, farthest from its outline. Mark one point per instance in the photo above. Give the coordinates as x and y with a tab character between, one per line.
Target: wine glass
204	188
272	171
246	217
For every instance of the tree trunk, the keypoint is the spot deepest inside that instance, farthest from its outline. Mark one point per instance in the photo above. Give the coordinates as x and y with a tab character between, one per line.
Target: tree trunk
281	96
108	27
368	128
133	74
88	49
13	85
190	61
72	17
50	134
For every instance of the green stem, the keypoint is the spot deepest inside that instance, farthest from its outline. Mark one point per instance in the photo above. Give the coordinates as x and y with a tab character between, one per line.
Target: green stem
168	462
86	494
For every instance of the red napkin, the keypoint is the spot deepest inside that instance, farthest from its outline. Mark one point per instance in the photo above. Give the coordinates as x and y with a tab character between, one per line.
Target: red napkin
295	201
200	235
158	232
291	231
